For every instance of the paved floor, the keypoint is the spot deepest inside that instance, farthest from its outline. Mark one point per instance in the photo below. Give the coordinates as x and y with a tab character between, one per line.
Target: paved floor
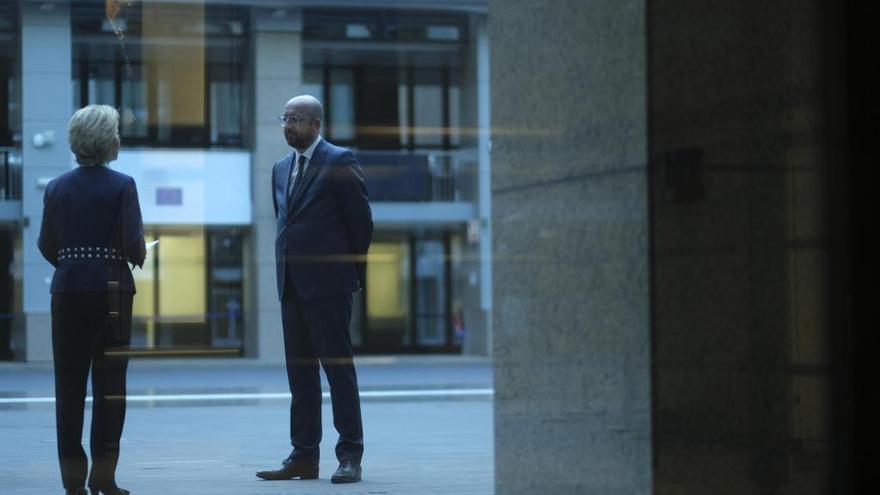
200	427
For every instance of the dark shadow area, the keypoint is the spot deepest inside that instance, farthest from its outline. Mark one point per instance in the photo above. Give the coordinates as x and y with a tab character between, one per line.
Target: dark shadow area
758	129
862	114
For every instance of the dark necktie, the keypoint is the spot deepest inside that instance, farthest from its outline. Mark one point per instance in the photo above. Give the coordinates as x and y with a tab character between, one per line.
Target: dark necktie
300	165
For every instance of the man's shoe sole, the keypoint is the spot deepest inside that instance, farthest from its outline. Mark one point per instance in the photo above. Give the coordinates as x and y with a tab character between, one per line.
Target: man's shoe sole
284	478
340	481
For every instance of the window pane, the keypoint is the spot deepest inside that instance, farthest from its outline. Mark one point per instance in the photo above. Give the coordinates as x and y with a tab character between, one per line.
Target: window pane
341	104
182	293
403	107
101	85
179	65
182	277
225	118
428	101
134	100
430	293
226	288
180	70
313	82
387	299
454	115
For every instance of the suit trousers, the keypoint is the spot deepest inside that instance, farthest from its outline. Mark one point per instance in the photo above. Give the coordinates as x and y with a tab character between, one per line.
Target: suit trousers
81	335
316	332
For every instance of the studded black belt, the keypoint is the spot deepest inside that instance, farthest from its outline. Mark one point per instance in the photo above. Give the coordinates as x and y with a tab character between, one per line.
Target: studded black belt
89	252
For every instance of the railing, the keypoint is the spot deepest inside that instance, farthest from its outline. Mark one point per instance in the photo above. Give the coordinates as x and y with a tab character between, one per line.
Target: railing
10	174
420	176
390	175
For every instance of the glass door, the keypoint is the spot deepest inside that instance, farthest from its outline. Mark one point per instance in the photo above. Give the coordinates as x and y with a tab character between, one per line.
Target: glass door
190	293
387	296
406	306
431	315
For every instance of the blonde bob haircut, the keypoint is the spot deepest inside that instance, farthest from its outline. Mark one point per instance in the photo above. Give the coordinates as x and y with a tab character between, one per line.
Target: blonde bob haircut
93	132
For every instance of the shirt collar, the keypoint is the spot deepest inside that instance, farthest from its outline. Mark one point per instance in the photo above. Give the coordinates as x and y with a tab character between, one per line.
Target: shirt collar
310	150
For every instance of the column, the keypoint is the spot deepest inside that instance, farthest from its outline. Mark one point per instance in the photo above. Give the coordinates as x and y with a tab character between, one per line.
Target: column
47	103
277	78
571	314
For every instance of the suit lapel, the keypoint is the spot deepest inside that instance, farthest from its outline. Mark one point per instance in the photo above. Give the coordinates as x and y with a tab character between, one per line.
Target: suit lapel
311	171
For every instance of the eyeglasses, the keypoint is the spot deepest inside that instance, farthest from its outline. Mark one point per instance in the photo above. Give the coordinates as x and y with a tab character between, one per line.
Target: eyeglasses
291	119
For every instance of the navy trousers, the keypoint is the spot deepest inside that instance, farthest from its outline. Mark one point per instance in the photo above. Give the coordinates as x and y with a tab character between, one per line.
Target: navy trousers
82	334
316	334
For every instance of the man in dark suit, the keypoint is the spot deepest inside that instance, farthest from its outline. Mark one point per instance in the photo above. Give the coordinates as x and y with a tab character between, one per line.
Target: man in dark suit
324	226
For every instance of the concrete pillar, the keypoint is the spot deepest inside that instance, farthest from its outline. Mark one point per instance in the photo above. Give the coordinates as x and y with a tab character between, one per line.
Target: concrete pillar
47	103
476	268
277	78
484	206
571	315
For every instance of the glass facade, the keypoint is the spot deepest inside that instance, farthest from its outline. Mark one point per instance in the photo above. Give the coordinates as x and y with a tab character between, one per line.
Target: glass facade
395	95
10	103
10	176
395	98
8	303
10	108
420	106
176	71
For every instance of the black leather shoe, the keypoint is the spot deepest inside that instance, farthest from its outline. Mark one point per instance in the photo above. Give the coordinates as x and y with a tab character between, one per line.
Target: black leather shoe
348	472
78	491
290	469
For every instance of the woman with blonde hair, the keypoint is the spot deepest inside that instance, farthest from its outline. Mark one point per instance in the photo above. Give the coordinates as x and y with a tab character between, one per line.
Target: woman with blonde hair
91	230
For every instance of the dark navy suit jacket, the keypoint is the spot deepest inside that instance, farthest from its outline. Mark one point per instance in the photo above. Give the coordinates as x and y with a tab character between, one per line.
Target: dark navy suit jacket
91	227
324	231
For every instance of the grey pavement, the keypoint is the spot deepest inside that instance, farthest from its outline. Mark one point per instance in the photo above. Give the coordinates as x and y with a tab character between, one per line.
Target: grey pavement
433	437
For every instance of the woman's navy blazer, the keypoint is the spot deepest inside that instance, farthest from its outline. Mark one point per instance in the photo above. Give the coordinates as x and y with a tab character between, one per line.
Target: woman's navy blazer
91	228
